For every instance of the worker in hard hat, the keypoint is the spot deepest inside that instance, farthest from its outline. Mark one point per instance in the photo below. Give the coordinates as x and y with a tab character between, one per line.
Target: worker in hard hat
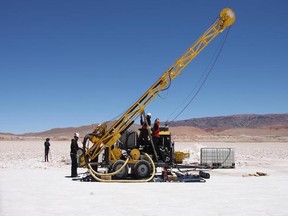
143	123
156	138
146	125
156	132
73	154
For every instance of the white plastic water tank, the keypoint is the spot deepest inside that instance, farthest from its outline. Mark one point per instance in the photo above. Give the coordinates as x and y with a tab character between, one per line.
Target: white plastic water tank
217	157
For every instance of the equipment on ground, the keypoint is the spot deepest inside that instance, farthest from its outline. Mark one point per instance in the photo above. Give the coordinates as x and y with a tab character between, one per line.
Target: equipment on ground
217	157
115	154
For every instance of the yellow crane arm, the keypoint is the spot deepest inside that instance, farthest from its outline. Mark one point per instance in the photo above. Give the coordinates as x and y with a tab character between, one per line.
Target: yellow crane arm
226	18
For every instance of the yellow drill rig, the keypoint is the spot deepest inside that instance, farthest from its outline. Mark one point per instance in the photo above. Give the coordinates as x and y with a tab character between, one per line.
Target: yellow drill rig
114	154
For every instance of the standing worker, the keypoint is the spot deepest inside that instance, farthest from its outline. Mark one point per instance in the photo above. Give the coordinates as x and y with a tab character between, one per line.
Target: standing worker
73	154
47	148
156	137
156	131
143	137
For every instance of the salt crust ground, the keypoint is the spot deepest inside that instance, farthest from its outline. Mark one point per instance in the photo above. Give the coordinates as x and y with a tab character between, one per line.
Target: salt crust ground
29	186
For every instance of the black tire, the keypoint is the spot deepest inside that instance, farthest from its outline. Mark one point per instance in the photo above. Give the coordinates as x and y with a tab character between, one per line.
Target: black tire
142	169
116	166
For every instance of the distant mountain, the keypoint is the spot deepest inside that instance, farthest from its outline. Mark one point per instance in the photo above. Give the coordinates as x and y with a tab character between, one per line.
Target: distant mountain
62	133
236	121
245	127
65	133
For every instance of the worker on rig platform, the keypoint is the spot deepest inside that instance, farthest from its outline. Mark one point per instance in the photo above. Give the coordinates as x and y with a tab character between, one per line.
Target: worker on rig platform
143	137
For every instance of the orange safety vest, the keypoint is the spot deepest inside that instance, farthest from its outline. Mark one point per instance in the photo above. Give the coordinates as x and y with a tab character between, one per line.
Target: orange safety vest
156	129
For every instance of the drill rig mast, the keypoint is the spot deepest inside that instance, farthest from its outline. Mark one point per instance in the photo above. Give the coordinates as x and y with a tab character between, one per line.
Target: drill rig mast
103	140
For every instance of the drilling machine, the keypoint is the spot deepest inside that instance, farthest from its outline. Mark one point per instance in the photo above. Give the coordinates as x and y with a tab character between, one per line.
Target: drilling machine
113	154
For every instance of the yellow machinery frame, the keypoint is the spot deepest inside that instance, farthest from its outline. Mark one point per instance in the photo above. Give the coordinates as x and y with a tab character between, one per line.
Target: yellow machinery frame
108	138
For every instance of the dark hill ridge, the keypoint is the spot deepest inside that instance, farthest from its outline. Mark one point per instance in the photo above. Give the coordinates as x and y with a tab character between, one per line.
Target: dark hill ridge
246	127
236	121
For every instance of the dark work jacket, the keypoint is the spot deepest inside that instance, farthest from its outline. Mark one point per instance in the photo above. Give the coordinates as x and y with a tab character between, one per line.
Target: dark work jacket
46	144
74	146
143	123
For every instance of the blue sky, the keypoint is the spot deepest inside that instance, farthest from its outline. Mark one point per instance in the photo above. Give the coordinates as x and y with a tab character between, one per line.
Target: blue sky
72	63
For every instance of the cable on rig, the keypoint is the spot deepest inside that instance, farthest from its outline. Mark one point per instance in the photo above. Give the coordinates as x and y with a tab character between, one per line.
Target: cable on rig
204	78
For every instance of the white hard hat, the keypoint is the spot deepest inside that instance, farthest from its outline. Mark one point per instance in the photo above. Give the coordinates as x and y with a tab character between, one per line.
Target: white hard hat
149	114
76	134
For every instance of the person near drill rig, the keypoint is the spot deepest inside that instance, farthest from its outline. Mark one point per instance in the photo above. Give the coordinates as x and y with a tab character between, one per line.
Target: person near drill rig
73	154
144	134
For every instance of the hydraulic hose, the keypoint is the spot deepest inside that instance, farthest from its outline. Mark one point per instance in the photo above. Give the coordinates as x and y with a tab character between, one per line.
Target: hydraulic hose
108	174
93	174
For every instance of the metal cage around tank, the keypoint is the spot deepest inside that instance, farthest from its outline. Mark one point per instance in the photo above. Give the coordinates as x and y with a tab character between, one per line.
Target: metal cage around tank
217	157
